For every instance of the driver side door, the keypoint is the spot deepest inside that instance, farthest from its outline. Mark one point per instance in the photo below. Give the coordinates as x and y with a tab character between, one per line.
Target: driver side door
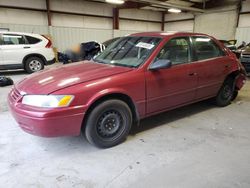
175	86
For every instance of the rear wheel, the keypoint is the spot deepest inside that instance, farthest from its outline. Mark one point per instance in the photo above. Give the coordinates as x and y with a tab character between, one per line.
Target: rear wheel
108	123
226	93
34	64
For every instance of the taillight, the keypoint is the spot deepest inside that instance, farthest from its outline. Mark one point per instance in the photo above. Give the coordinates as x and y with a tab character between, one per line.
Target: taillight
49	44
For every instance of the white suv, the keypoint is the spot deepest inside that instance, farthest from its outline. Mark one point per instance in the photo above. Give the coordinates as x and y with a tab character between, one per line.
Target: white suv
25	51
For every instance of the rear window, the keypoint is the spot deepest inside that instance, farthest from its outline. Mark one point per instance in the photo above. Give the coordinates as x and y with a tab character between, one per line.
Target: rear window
206	48
32	40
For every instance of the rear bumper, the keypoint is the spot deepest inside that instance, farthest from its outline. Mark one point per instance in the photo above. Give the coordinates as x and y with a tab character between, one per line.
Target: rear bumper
240	81
47	123
50	62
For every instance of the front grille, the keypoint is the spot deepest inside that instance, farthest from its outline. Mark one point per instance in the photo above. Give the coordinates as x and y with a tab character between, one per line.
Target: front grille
15	95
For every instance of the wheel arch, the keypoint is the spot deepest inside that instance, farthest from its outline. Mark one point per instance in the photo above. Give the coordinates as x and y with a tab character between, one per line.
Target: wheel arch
232	75
34	55
116	95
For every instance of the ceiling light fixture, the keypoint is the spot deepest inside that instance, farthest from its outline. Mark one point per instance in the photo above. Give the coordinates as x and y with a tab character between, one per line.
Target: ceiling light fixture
174	10
119	2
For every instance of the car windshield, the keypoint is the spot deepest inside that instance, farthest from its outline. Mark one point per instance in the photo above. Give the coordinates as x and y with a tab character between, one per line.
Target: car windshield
128	51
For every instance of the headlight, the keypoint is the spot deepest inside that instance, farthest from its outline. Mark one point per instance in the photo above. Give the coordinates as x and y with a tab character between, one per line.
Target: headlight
48	101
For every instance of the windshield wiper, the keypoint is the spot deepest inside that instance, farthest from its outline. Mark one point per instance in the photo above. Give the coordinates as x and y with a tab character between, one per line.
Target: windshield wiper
122	65
116	64
99	61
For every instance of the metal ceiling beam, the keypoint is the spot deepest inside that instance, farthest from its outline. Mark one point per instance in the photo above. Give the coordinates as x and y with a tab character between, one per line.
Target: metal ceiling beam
166	5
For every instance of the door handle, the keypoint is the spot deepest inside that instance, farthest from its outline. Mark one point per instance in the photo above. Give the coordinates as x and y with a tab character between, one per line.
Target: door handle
192	74
25	47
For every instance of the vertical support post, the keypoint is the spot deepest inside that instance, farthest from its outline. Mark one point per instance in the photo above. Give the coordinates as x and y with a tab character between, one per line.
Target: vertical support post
238	13
115	18
162	21
48	12
194	23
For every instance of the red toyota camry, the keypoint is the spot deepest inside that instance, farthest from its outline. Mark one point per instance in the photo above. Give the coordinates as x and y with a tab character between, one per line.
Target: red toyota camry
135	77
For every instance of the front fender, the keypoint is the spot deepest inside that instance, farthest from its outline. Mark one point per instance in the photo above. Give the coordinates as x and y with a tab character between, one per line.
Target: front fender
106	92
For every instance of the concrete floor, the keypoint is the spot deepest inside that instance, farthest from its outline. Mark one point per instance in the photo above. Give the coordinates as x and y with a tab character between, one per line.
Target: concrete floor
197	146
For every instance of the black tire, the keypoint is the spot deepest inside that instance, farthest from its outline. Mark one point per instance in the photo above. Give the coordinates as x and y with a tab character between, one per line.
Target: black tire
34	64
226	93
108	124
235	94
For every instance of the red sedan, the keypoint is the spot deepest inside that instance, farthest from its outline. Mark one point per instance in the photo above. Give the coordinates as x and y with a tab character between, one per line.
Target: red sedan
135	77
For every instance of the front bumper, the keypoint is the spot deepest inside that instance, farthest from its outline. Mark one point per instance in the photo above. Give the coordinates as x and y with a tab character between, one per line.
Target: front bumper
46	122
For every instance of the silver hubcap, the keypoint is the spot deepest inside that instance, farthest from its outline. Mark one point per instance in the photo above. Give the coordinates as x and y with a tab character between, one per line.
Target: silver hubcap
35	65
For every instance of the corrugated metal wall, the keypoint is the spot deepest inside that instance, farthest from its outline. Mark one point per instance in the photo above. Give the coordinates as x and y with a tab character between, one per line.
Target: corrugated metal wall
174	23
243	30
242	34
64	37
218	23
69	30
26	28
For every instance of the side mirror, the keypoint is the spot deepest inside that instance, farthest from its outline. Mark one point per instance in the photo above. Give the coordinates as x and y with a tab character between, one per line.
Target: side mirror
160	64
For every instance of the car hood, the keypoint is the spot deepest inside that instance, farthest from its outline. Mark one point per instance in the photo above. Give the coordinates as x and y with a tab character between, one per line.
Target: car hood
51	80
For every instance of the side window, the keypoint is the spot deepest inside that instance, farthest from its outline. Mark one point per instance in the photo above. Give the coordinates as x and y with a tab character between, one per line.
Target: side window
9	39
206	48
32	40
177	50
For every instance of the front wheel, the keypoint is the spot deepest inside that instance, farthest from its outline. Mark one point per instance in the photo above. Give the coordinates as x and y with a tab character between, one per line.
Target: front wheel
226	93
34	64
108	123
235	94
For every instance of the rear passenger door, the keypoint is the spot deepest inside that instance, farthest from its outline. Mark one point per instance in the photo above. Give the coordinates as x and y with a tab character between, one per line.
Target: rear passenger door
211	66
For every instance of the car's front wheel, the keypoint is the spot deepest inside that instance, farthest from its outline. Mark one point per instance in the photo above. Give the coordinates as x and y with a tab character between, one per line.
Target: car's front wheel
226	93
108	124
34	64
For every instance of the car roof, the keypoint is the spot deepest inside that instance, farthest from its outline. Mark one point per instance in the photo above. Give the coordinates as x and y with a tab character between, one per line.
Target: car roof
19	33
167	34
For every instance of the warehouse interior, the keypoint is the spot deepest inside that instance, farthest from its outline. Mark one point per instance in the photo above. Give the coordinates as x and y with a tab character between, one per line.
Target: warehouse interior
196	145
67	20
